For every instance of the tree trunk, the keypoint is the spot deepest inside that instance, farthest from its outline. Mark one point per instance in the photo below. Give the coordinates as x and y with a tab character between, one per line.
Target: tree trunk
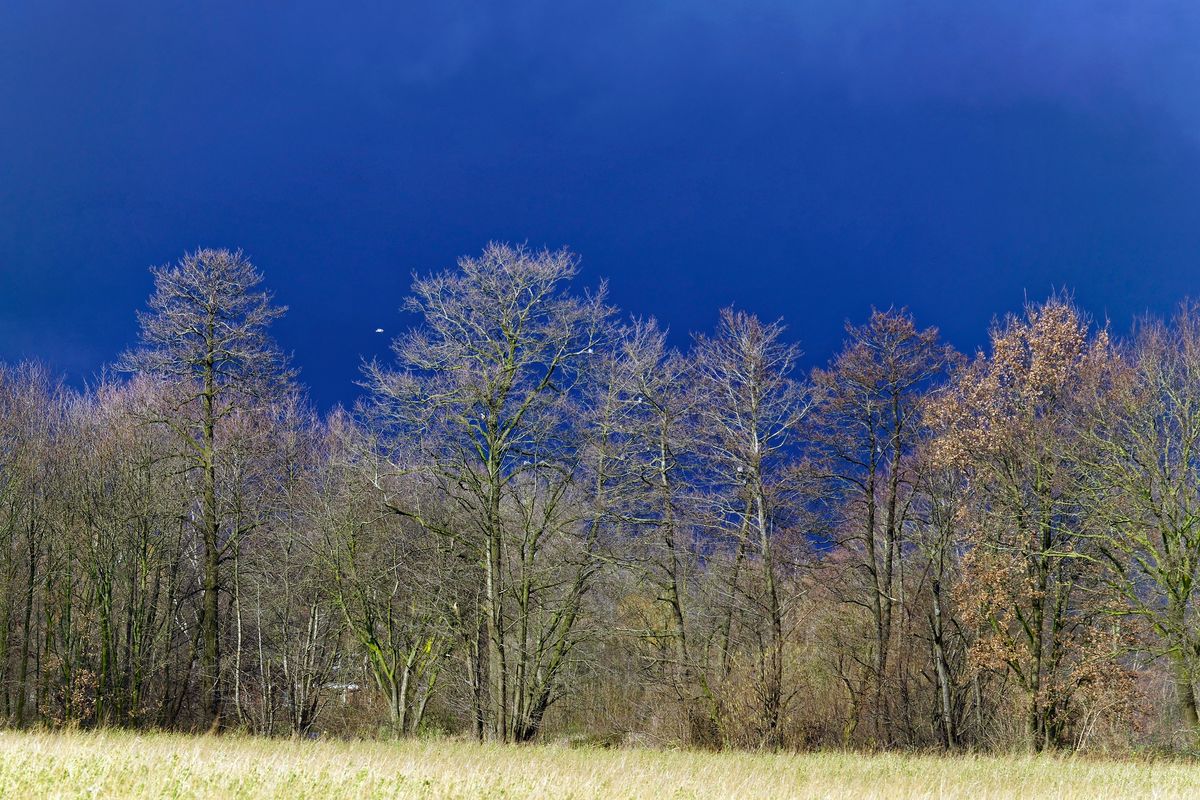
943	670
1185	695
497	666
211	659
26	633
773	668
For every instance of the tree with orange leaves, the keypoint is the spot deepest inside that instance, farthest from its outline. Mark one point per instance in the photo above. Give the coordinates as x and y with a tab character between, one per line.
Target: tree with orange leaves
1008	421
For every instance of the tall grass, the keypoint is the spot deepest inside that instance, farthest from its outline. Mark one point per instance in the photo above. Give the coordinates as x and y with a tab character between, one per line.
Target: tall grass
126	765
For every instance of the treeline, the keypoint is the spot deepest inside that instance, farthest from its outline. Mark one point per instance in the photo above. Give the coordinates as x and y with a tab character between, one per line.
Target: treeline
543	520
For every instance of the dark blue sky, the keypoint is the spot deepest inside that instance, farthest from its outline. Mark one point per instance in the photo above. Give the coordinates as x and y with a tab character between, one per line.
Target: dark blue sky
799	159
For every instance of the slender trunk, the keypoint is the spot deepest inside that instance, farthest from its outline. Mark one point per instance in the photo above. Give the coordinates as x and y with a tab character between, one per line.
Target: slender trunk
211	660
26	633
10	576
477	648
773	668
237	651
977	696
125	673
497	668
943	669
878	592
401	692
423	699
520	687
675	588
105	702
1037	712
497	661
727	624
891	543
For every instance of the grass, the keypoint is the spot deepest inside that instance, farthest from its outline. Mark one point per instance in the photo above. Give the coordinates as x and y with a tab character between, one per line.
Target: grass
126	765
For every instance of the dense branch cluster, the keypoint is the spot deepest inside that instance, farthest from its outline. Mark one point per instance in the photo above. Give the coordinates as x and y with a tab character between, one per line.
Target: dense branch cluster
541	520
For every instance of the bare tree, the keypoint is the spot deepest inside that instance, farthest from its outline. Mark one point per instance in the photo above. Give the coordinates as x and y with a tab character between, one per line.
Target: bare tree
126	499
751	414
205	330
31	415
939	505
867	426
655	438
1143	479
486	386
394	586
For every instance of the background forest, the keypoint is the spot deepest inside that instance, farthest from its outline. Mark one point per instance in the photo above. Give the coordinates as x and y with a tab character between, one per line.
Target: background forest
541	521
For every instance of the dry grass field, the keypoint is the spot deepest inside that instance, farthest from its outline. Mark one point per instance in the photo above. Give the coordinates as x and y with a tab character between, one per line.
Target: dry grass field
121	765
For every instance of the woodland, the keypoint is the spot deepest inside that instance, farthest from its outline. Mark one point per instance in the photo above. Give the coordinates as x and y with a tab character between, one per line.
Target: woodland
544	521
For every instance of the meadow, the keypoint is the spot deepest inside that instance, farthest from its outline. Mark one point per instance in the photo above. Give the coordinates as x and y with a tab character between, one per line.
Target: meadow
128	765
